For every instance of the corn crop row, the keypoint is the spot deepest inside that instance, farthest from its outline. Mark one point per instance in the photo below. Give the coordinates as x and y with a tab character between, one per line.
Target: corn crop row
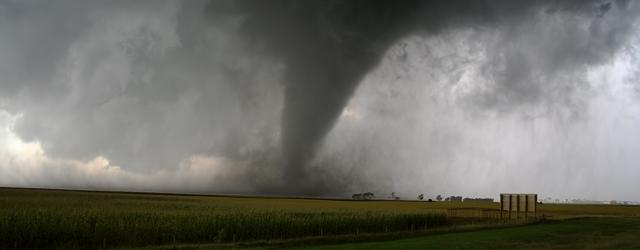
82	229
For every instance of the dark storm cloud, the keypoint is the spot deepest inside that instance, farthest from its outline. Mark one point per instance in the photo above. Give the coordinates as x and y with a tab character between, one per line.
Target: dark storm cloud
28	24
144	83
328	46
148	84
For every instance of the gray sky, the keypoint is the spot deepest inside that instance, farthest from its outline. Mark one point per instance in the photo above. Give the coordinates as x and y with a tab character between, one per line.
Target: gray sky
322	97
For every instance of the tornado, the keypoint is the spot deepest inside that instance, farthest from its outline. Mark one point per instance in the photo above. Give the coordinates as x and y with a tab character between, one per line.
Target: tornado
328	46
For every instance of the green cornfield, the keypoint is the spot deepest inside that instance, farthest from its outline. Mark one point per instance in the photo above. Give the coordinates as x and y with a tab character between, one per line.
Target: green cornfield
72	219
38	218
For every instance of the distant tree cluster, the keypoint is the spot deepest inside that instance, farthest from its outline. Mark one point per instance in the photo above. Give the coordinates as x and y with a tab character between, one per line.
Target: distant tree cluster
394	197
422	197
454	198
363	196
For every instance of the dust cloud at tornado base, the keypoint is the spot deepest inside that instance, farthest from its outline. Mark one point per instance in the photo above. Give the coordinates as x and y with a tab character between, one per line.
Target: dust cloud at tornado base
326	98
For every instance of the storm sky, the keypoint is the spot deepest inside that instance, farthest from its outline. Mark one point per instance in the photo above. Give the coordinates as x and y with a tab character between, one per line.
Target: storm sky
323	98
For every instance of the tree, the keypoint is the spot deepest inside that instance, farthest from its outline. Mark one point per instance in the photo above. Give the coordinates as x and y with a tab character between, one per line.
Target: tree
394	197
368	195
439	198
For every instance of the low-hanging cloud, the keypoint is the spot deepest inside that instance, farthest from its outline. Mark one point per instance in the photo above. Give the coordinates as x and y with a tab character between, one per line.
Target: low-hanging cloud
243	96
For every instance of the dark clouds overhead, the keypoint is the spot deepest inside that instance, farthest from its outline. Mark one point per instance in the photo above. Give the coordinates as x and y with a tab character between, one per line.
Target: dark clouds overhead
148	84
328	46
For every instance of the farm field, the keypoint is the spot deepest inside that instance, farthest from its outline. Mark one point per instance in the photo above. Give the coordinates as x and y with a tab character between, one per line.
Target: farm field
81	219
578	233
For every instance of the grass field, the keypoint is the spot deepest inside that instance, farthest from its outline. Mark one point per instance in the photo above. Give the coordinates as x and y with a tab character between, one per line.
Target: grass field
79	219
581	233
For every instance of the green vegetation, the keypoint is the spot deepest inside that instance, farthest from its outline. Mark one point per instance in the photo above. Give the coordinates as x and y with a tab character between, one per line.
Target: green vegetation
584	210
37	218
31	218
582	233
